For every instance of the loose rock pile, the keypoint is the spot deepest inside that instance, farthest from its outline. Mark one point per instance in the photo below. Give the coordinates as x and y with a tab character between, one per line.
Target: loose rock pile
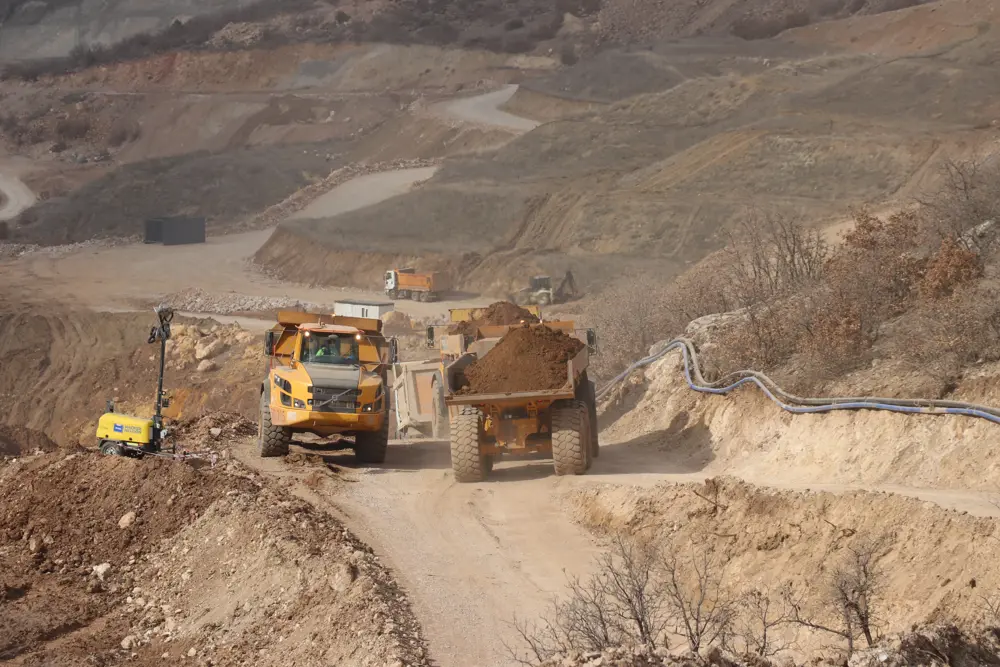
197	300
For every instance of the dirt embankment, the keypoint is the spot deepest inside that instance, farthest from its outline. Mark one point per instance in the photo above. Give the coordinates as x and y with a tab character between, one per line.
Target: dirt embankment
150	562
930	564
78	360
526	359
746	434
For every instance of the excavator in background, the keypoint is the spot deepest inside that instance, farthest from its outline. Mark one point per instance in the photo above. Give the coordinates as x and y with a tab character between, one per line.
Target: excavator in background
539	291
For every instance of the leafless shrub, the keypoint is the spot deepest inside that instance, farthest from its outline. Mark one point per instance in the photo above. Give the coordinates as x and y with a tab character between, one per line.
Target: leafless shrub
968	197
620	605
989	609
761	615
700	609
639	310
855	588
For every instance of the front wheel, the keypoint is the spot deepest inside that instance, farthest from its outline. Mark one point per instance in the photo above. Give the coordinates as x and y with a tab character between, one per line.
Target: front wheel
392	294
371	446
271	440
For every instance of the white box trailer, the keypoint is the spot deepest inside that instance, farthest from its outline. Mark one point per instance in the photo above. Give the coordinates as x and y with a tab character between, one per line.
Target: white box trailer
360	308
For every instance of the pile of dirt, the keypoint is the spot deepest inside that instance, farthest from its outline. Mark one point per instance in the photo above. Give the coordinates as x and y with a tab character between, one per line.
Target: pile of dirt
497	314
525	359
113	561
73	529
212	429
16	440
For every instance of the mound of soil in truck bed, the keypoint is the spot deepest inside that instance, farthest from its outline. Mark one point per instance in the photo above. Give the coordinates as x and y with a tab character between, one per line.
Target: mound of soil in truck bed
497	314
526	359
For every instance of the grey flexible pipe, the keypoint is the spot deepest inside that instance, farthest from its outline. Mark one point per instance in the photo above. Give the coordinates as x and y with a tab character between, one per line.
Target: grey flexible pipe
799	404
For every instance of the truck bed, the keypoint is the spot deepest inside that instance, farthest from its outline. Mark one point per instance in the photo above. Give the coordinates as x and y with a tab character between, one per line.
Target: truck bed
573	370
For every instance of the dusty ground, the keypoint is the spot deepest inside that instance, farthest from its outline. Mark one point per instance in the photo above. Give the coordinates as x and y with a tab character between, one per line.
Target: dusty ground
126	561
262	564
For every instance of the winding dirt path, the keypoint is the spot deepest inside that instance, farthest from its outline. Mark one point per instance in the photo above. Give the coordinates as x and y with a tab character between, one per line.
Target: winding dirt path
15	196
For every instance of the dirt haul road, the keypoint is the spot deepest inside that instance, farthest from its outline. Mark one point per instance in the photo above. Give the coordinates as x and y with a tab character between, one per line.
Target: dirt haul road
15	196
94	277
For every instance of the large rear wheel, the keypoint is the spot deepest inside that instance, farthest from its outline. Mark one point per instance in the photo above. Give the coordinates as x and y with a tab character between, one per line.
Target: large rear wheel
371	446
271	440
570	438
467	461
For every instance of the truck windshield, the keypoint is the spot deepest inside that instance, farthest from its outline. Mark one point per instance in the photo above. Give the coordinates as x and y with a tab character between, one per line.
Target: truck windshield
323	348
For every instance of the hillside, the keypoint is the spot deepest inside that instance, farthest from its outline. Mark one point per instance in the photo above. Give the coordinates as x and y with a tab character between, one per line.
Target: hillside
658	177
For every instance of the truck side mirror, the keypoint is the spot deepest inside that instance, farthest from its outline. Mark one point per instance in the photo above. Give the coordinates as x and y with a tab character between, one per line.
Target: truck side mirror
430	336
592	341
393	350
269	343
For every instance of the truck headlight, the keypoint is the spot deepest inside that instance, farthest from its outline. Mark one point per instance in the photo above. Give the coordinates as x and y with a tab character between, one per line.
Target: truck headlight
299	404
368	407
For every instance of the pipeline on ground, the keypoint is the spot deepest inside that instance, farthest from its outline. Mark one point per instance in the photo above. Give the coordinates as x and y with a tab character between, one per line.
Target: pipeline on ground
798	404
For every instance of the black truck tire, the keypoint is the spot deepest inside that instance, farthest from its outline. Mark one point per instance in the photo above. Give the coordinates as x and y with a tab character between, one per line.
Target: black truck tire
570	439
371	446
271	440
595	445
467	461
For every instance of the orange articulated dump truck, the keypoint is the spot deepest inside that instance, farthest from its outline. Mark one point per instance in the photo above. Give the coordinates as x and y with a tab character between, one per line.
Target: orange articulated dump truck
408	284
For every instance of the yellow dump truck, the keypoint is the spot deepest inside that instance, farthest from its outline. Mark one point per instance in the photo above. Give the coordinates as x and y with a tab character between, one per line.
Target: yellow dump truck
327	375
561	423
418	394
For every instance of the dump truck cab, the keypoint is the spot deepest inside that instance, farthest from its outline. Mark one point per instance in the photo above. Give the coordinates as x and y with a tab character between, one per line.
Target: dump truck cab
326	376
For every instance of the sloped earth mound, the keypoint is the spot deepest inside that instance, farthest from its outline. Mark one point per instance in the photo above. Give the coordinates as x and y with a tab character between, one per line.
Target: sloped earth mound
930	563
77	360
15	441
663	176
148	562
746	434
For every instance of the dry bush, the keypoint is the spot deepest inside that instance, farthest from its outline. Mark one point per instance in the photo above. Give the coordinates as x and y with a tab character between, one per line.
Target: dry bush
640	310
696	600
852	604
640	592
619	605
968	197
946	335
953	265
771	258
